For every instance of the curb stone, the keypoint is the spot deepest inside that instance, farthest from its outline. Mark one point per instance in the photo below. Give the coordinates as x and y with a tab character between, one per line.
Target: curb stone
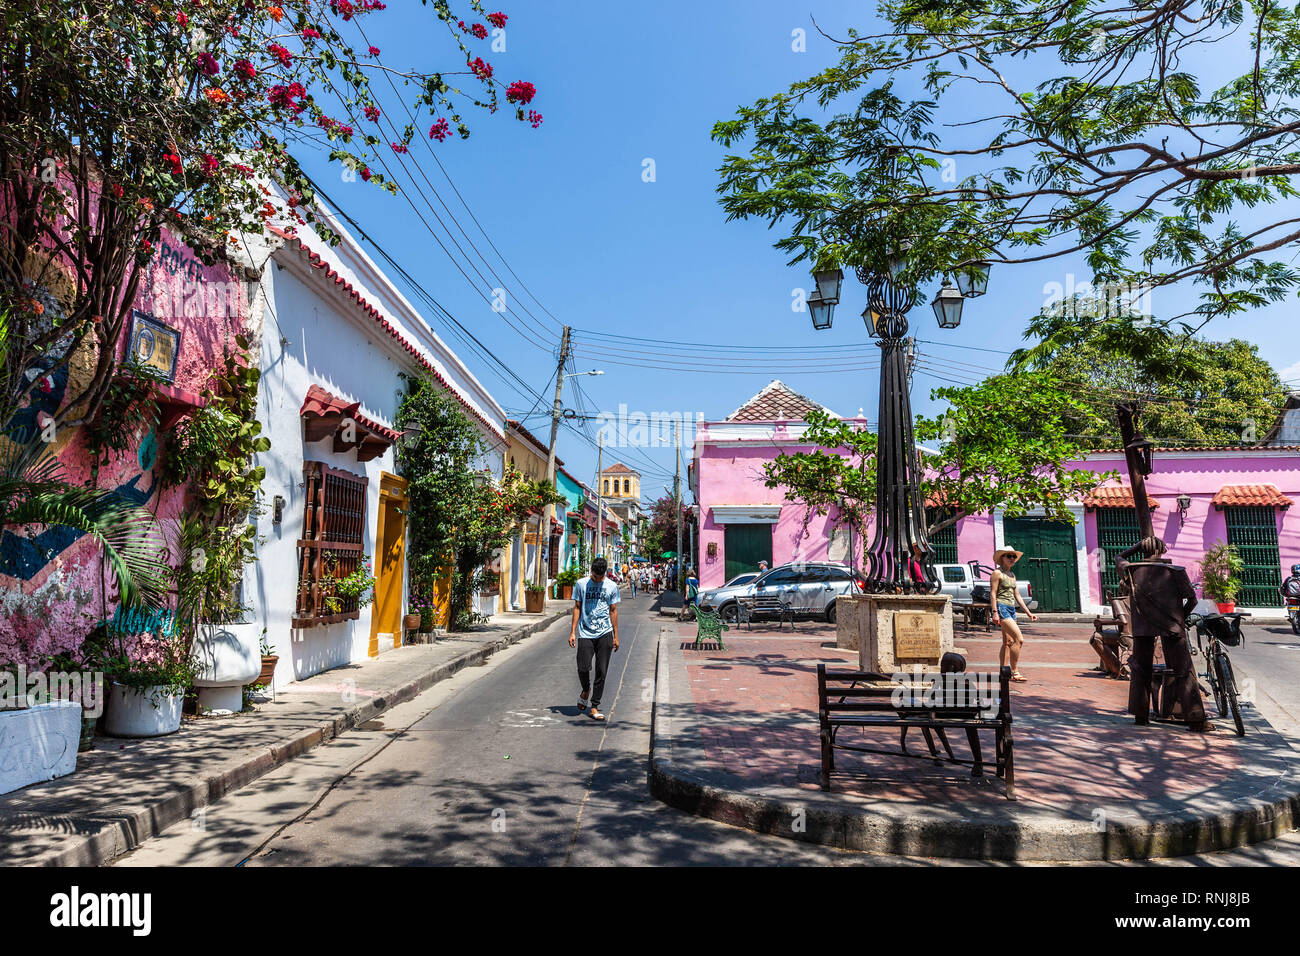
126	829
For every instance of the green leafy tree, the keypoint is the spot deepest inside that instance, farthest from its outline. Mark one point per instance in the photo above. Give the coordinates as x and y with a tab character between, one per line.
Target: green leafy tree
1006	444
118	118
838	477
1188	390
1003	444
1021	132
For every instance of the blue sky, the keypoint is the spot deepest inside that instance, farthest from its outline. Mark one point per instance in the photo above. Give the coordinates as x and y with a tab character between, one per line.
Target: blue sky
650	272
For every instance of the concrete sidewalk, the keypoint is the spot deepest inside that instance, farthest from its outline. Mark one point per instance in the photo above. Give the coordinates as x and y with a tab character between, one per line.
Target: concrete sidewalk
736	739
125	791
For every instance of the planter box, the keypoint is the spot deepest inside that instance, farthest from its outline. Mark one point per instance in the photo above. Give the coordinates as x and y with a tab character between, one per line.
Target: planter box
566	592
38	743
132	713
534	602
268	670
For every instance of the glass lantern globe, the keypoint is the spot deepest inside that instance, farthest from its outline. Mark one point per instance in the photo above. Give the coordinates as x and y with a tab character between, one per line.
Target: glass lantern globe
947	306
821	312
973	281
828	285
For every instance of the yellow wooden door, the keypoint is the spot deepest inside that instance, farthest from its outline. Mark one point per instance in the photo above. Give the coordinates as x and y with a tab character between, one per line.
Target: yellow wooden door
390	559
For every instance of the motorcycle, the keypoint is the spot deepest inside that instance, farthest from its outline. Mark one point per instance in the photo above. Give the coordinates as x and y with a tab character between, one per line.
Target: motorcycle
1293	613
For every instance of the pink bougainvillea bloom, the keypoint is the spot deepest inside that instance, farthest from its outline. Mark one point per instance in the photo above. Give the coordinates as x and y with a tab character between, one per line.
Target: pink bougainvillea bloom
245	69
498	20
365	174
372	113
482	70
521	91
374	51
280	53
399	147
439	130
210	164
182	19
208	64
479	30
310	33
535	118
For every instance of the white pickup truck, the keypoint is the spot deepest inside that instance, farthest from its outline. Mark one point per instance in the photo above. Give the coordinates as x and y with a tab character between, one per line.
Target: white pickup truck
968	584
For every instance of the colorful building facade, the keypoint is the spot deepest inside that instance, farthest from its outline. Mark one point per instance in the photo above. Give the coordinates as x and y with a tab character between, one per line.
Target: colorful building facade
1241	495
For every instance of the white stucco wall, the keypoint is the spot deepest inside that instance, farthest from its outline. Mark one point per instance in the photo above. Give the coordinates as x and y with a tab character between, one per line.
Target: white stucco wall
314	333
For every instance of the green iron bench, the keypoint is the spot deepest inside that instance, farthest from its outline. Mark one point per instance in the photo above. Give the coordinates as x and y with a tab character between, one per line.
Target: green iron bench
709	627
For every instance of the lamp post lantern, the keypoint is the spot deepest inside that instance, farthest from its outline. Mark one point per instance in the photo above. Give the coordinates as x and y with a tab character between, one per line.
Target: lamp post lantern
899	508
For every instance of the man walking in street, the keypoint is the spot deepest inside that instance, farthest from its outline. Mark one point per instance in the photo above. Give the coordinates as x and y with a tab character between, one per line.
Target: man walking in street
1160	598
594	632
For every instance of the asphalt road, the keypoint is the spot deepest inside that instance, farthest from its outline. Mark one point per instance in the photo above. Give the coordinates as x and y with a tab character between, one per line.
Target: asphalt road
497	766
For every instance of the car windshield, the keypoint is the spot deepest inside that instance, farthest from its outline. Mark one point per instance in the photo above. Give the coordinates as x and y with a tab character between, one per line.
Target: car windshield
740	579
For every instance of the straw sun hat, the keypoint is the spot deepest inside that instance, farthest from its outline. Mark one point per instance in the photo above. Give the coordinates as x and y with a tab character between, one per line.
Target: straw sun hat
997	555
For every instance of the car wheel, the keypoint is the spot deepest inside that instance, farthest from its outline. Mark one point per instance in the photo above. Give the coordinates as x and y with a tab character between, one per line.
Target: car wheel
830	614
730	613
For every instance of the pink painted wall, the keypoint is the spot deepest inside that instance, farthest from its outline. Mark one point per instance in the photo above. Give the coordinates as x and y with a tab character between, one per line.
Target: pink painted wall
58	592
733	474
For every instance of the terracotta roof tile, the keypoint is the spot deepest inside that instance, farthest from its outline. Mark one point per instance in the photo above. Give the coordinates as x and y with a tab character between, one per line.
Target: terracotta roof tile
1115	496
619	469
776	402
1266	495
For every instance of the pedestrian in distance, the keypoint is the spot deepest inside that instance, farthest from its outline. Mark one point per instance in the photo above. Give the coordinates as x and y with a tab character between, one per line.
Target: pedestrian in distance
631	580
1004	599
594	632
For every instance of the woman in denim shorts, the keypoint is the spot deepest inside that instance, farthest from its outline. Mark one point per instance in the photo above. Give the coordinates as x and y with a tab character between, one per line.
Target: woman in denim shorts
1004	598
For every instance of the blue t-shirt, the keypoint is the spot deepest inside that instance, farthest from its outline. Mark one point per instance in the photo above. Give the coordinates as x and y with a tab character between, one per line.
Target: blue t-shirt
594	602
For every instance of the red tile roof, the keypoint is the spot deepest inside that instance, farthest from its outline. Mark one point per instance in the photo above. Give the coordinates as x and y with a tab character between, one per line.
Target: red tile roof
777	402
1266	495
1115	496
619	469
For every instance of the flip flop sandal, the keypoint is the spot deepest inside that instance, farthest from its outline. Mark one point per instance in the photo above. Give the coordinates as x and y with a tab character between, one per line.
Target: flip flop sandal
1019	678
594	714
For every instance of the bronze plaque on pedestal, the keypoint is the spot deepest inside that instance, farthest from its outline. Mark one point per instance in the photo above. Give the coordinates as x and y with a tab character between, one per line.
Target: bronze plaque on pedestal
916	635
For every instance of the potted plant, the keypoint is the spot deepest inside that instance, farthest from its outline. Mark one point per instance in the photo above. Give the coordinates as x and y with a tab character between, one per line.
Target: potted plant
565	581
1221	571
269	660
148	677
534	598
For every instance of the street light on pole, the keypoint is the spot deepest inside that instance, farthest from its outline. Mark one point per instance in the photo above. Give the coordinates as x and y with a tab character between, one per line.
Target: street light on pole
900	511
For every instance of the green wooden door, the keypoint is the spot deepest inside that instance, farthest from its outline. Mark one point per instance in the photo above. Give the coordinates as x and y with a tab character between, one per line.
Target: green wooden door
944	542
1049	564
1253	529
1117	531
744	545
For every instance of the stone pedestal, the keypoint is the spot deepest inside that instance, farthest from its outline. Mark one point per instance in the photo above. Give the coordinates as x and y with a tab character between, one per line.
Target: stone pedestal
850	621
227	663
877	637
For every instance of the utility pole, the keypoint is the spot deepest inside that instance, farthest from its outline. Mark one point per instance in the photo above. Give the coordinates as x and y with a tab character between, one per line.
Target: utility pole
677	495
600	495
557	410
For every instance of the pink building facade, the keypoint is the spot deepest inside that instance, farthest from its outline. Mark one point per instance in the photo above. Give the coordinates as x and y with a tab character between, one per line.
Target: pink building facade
1202	496
53	584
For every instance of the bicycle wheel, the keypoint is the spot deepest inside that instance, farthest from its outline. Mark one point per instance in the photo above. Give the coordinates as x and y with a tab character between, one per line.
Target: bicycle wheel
1213	672
1230	692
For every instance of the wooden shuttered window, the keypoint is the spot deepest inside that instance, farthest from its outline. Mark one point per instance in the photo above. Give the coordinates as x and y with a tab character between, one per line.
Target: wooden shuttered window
332	543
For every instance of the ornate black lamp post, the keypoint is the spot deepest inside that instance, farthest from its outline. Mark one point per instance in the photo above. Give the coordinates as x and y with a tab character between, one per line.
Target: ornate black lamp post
900	511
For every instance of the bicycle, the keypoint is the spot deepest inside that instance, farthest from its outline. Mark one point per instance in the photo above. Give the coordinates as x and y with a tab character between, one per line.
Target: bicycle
1221	631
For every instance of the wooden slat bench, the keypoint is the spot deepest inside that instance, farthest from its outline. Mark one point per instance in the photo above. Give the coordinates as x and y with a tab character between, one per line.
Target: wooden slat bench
973	613
867	701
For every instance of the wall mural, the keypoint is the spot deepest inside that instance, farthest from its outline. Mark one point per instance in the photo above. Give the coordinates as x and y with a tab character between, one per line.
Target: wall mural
52	586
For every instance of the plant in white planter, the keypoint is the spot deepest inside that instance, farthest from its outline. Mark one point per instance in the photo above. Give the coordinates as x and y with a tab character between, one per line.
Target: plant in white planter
147	685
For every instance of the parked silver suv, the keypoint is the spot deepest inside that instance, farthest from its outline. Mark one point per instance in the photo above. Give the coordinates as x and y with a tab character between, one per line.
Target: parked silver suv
811	589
